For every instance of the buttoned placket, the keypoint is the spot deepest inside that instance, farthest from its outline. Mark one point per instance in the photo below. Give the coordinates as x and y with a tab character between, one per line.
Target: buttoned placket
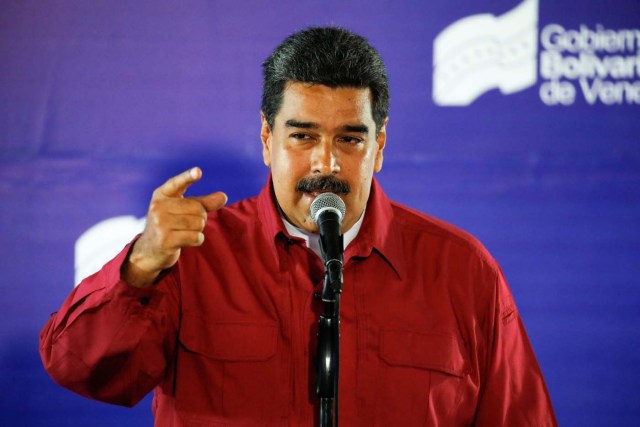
296	275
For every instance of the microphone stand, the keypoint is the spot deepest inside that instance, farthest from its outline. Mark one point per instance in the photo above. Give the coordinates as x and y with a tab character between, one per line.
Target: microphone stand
328	360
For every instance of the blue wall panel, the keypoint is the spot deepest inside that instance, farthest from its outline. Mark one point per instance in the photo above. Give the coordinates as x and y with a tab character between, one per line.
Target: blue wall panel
101	101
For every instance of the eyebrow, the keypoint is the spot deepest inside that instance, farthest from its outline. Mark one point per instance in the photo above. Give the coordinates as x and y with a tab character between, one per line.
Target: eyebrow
359	128
363	129
293	123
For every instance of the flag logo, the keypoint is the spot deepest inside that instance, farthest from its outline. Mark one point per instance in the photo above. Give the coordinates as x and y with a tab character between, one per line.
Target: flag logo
483	52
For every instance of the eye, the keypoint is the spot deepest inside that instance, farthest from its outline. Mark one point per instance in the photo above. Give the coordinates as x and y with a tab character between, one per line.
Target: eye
351	140
302	136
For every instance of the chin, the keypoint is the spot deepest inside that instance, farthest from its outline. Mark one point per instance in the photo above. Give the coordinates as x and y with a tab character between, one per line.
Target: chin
311	226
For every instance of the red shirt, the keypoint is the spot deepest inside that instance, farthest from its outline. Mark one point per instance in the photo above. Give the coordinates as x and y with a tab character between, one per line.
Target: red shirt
430	334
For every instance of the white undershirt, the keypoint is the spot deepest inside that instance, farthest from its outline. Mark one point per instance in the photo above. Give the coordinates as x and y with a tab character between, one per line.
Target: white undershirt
313	240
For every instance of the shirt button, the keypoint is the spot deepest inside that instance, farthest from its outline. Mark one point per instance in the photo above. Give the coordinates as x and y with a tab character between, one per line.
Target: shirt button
144	301
287	244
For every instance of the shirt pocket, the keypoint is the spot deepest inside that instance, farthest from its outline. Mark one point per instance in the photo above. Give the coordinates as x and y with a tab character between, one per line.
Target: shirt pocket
232	366
421	376
230	341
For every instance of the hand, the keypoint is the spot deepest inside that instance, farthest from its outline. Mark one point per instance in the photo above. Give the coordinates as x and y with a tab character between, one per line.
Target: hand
173	222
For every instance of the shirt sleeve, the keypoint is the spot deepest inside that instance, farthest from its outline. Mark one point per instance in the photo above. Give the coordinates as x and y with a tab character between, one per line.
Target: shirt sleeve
514	392
111	341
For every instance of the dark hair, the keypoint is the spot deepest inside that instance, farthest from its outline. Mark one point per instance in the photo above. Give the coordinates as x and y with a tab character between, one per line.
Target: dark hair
329	56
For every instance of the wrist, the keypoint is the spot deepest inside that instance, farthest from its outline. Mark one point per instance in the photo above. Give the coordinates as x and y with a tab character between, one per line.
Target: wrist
135	272
135	276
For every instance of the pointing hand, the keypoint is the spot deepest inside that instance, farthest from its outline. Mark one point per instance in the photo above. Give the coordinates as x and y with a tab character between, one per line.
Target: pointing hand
173	222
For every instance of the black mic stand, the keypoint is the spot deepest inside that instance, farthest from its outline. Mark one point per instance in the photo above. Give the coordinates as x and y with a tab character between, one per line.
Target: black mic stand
328	360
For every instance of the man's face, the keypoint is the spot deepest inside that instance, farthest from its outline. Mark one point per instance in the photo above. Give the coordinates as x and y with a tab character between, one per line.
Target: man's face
321	132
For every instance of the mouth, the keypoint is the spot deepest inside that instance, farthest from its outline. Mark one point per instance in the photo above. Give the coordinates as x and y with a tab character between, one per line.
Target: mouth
309	196
316	193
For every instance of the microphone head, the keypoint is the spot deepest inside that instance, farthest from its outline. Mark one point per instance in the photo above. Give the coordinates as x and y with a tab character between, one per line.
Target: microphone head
327	201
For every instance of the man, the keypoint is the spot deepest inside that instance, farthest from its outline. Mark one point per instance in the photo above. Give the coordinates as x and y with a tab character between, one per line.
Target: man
213	307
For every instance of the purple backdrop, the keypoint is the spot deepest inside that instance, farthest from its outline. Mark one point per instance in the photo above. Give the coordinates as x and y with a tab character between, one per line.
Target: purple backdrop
100	101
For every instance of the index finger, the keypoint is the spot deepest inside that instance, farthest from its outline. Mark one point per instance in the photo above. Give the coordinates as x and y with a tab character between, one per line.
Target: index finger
177	185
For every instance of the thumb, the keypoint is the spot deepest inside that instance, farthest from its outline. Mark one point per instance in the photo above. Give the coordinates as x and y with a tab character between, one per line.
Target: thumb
213	201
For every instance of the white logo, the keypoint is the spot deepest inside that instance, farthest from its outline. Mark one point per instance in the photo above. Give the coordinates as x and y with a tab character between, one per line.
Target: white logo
102	242
603	63
482	52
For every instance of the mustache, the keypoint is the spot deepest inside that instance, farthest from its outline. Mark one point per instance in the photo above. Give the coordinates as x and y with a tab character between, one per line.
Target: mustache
312	184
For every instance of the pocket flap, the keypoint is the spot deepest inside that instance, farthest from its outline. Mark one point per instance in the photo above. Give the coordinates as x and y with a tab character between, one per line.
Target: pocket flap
229	341
437	351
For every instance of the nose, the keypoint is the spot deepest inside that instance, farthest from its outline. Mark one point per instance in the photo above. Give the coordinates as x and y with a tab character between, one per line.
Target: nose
324	158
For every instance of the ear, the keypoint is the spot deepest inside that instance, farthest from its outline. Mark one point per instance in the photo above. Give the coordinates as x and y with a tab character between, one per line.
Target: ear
265	137
381	140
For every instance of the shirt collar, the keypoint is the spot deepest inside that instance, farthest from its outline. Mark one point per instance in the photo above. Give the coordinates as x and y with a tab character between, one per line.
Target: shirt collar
379	232
376	232
313	240
268	214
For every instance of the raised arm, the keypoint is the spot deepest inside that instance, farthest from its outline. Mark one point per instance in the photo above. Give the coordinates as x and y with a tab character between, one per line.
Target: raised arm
115	334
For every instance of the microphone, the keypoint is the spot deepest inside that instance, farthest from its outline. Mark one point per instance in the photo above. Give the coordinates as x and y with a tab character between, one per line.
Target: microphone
327	210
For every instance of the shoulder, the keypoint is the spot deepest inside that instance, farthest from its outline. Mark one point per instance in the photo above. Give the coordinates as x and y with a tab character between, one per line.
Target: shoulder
422	229
237	216
454	258
228	230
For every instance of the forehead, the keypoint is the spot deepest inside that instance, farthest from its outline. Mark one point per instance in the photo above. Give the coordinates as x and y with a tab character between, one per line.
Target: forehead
325	105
